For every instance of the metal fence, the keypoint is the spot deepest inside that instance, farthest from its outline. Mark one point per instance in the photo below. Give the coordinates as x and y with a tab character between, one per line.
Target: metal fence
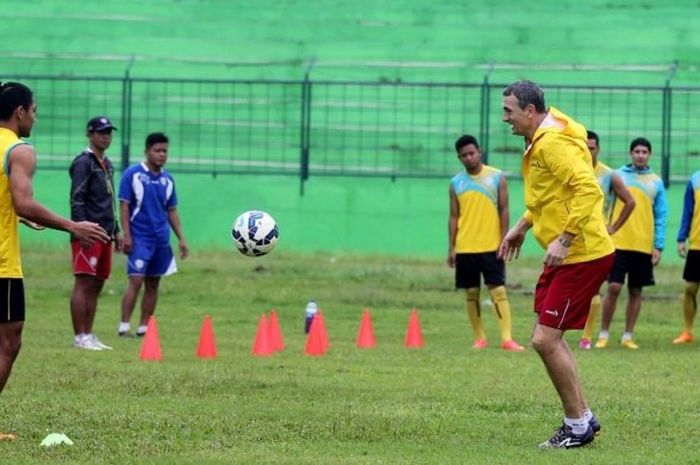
330	128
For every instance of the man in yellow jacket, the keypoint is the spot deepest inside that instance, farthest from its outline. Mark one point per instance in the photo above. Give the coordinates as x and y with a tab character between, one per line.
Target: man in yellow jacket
564	206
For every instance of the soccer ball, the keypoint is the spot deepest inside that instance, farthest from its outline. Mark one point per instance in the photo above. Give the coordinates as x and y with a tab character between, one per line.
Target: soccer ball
255	233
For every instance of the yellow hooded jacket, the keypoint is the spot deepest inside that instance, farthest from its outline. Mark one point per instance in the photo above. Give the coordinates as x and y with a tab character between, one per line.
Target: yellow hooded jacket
561	190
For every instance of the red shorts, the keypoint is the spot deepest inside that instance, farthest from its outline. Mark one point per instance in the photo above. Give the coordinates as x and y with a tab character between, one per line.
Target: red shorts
563	293
95	260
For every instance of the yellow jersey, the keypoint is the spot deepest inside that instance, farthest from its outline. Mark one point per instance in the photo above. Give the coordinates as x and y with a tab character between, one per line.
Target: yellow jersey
10	265
604	175
561	190
645	229
690	221
479	223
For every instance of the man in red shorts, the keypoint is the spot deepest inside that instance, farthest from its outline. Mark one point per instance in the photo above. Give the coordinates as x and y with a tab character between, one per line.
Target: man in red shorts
92	199
564	207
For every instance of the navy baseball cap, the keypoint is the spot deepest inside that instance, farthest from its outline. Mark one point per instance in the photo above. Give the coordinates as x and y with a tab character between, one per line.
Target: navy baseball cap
100	123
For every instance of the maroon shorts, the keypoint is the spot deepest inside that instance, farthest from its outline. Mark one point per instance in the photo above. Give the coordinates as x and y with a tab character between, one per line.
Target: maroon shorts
563	293
95	260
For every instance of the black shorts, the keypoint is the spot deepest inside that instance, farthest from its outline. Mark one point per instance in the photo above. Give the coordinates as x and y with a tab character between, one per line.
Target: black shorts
470	266
11	300
635	264
691	272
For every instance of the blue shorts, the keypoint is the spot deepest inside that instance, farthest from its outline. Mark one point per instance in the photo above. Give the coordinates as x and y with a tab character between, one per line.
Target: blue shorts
148	260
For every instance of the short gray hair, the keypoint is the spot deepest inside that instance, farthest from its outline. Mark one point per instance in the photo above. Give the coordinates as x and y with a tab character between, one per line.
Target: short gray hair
527	92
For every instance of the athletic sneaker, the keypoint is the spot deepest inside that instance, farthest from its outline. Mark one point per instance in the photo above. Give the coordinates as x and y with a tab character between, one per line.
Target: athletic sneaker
85	342
594	424
601	343
629	344
98	343
480	344
565	438
512	346
684	338
584	344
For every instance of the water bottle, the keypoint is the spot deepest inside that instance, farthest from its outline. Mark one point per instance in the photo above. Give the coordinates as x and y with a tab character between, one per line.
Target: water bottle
310	314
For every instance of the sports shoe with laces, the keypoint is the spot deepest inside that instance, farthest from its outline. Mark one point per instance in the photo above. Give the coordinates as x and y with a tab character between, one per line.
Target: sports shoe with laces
629	344
85	342
480	344
594	424
684	338
584	344
98	343
601	343
512	346
565	438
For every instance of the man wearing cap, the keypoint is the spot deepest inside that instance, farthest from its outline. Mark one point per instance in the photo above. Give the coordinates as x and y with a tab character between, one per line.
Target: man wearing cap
92	199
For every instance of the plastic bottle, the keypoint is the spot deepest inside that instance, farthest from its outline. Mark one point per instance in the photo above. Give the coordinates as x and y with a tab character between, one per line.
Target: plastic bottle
310	314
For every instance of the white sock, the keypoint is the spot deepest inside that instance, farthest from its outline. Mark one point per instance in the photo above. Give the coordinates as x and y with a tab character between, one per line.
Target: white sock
124	326
587	414
142	329
80	336
626	336
603	334
578	425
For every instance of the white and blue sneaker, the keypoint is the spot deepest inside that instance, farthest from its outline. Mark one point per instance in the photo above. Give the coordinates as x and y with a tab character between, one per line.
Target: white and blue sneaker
565	438
84	341
98	343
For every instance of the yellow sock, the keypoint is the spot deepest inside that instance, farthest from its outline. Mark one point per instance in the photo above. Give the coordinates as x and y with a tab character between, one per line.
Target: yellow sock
474	312
690	305
592	317
502	308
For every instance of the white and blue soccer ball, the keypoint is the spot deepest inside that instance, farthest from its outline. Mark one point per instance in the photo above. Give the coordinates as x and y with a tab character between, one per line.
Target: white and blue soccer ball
255	233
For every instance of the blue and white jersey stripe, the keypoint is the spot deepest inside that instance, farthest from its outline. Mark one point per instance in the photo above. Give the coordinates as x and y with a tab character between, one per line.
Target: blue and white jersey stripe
149	196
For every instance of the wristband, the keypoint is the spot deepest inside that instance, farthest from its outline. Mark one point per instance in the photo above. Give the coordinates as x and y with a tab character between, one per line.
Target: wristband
564	242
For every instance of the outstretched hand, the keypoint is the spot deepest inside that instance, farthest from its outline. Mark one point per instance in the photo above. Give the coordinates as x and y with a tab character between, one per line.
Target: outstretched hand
511	244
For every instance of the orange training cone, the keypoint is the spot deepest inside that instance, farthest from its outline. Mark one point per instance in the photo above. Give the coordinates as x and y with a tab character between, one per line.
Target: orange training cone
322	329
275	332
365	336
207	344
150	349
314	341
261	346
414	335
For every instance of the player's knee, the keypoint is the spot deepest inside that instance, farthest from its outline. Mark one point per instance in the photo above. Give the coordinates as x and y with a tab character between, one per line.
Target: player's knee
499	294
544	342
11	346
614	289
691	288
473	294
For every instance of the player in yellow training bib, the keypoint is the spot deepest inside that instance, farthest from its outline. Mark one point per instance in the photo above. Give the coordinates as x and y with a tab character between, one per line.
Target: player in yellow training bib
613	189
690	231
478	220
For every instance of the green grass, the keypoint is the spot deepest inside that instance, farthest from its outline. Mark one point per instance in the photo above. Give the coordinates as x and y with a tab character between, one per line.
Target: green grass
441	404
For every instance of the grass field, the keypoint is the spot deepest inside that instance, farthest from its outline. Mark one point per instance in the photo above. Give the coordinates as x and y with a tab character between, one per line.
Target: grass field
441	404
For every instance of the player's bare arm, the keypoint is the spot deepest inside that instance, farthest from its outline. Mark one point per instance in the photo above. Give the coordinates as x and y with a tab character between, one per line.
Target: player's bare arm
22	164
125	221
618	187
452	228
174	220
503	210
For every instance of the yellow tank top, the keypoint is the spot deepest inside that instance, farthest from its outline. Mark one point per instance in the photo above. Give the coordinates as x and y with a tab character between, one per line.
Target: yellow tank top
479	224
10	265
